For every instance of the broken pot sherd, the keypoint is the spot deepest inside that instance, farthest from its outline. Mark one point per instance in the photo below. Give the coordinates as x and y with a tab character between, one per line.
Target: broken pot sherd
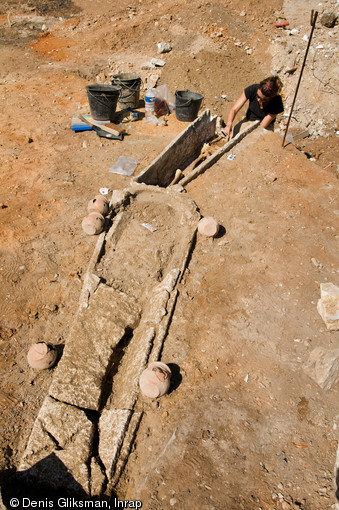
93	223
42	355
98	204
208	226
155	381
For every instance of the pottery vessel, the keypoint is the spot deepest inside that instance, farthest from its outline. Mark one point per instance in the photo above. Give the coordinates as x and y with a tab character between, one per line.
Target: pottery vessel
208	226
98	204
41	355
155	380
93	223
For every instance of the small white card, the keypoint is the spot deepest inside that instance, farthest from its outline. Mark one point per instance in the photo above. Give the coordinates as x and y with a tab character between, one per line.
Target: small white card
149	227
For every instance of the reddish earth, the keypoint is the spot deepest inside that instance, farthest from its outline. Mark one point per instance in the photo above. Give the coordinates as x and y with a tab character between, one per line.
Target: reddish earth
246	425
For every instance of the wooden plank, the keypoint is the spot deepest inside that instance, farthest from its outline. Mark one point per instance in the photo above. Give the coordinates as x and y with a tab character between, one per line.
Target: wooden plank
217	155
110	127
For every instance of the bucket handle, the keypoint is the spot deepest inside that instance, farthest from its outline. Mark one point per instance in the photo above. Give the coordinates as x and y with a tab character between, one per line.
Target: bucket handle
188	103
185	104
118	80
132	92
98	100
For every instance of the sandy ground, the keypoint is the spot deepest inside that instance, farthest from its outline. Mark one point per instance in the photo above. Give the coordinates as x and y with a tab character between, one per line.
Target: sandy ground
246	425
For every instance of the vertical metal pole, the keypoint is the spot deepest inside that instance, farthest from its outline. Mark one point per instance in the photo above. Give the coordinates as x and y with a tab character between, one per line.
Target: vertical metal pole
314	16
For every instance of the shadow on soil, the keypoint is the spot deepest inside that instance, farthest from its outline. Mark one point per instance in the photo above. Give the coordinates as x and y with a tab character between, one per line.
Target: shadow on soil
48	484
176	377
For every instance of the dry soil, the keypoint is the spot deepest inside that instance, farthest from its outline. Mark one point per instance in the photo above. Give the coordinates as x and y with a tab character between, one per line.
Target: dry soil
247	424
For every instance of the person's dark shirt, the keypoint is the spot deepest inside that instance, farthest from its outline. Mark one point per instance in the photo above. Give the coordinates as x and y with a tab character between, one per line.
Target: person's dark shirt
254	112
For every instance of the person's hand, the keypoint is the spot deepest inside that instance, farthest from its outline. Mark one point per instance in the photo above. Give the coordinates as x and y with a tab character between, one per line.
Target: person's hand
226	131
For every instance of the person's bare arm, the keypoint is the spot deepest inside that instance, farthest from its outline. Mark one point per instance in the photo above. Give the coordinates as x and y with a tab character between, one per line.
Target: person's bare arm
267	120
234	110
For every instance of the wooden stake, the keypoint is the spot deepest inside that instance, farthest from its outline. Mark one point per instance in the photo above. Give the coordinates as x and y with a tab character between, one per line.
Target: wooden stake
314	16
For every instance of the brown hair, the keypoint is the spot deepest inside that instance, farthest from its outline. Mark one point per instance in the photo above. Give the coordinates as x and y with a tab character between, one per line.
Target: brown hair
270	86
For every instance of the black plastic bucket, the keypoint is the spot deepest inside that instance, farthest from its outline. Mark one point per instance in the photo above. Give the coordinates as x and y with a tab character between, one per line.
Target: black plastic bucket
187	105
130	89
103	100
